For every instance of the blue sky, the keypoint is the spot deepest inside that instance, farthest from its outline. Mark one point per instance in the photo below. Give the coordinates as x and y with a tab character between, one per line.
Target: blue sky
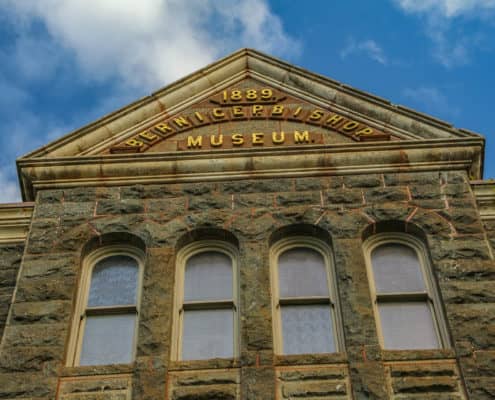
65	63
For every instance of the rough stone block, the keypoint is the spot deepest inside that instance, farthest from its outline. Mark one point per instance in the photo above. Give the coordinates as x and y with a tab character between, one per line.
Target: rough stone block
363	181
106	207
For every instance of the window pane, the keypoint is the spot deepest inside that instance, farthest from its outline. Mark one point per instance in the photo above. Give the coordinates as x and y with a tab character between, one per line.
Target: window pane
208	277
396	268
108	339
302	273
208	334
307	329
408	326
114	282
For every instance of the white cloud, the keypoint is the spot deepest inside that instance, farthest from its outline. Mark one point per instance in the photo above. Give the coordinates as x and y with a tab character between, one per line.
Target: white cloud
446	8
431	100
451	47
152	42
127	47
367	47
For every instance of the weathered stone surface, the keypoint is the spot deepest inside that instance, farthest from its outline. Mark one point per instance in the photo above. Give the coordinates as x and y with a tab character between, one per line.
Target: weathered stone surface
10	261
419	178
363	181
368	381
106	207
425	192
384	195
344	196
343	206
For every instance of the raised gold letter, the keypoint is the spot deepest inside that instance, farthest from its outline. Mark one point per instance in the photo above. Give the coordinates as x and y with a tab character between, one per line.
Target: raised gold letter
194	142
237	139
334	119
350	126
134	143
364	132
257	110
163	128
277	110
199	116
301	137
257	138
278	139
237	111
218	113
214	142
316	115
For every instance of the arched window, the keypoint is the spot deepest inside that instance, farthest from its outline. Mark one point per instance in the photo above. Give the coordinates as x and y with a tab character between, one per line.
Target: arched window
105	326
306	313
206	324
407	307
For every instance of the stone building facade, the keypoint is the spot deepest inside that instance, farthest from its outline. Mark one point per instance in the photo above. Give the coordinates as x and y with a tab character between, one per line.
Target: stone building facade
253	163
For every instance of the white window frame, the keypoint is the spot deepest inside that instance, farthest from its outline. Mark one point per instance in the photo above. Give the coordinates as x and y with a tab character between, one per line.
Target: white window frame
80	312
181	261
331	300
432	292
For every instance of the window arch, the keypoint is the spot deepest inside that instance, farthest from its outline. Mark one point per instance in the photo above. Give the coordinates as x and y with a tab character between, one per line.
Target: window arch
106	317
406	302
206	302
306	314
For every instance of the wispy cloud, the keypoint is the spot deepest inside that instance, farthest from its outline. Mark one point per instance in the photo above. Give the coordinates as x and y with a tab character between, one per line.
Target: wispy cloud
430	100
450	48
127	47
367	47
447	8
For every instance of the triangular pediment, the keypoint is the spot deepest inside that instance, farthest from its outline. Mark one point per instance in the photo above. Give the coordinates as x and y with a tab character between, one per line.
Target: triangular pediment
247	102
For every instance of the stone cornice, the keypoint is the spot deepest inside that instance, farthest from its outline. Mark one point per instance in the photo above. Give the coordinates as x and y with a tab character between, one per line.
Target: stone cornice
198	165
14	222
485	198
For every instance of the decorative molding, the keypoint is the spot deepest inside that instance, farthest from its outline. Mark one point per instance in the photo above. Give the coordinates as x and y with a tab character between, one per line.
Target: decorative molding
485	198
14	222
193	166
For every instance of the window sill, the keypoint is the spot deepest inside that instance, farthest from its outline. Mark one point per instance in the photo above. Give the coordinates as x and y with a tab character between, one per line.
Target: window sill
213	363
310	359
91	370
417	355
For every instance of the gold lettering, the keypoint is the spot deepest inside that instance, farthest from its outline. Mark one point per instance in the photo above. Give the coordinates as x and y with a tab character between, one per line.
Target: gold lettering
199	117
194	142
218	113
364	132
278	137
334	119
277	110
257	138
181	122
237	139
301	137
134	143
148	135
237	111
298	111
214	142
350	126
316	115
163	128
257	110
